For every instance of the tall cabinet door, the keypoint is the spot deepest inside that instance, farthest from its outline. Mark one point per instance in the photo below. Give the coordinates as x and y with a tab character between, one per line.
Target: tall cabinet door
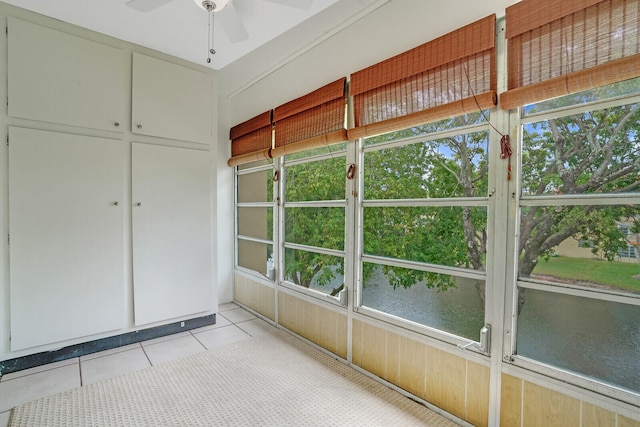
66	210
171	232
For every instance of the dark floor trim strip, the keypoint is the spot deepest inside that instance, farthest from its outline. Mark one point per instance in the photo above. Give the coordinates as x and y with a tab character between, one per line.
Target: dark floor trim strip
76	350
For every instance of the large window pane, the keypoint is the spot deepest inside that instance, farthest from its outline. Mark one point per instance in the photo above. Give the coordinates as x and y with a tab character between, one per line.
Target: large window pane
318	180
452	235
450	167
451	304
600	339
256	256
591	152
256	222
319	227
323	273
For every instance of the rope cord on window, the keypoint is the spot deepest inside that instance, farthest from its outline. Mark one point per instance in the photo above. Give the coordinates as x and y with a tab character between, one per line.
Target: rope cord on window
505	140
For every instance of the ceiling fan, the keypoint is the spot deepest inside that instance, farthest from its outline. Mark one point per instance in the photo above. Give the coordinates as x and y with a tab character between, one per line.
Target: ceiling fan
232	23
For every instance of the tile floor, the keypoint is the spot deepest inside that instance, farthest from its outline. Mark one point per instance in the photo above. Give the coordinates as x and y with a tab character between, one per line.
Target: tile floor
232	324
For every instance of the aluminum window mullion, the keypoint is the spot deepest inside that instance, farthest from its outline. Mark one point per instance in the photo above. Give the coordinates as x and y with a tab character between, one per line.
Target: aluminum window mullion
419	328
431	268
573	290
316	204
580	199
254	239
459	201
314	249
255	205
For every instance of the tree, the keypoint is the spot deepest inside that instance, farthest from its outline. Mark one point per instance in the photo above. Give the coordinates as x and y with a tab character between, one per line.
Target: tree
451	235
591	152
321	227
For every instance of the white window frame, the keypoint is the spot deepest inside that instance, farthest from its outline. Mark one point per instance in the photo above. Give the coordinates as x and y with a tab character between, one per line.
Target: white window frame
519	201
488	202
282	244
268	204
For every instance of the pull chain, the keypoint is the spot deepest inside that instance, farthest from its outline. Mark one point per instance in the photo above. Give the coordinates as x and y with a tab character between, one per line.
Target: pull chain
210	49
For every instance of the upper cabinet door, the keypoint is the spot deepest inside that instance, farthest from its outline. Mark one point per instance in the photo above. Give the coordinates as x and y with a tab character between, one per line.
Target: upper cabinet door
60	78
171	101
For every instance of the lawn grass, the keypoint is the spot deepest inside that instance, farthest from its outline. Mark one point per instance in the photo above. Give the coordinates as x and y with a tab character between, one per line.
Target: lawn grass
617	275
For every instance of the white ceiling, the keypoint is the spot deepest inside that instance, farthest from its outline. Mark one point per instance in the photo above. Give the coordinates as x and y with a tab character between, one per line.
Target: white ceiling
179	28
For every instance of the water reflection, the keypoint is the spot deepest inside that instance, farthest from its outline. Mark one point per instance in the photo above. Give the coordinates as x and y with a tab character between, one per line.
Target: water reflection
458	310
596	338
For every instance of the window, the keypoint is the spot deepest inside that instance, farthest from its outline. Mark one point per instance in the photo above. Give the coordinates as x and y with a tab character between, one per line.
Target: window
314	211
420	185
255	218
579	180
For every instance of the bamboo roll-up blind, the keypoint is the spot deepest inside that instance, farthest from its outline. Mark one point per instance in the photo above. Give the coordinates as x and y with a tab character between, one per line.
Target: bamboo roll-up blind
455	67
559	48
251	140
441	112
311	121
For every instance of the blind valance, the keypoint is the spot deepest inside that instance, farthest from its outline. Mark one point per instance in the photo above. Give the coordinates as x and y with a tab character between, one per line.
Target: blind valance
559	48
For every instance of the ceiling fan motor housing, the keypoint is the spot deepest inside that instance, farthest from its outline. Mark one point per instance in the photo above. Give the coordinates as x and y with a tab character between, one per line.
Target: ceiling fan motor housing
210	5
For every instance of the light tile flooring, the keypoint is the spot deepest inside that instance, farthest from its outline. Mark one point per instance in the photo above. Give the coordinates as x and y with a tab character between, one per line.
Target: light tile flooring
232	324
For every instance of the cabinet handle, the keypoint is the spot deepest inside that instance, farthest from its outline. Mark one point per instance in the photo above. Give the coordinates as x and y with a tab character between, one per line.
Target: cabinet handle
139	126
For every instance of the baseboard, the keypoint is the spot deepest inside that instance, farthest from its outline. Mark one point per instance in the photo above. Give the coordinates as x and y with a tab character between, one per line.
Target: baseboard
77	350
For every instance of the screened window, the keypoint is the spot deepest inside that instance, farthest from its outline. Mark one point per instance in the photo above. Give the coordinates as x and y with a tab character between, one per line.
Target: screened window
314	211
577	300
424	224
255	218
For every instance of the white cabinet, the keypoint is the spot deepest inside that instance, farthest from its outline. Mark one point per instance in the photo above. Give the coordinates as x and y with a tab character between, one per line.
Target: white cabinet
60	78
171	101
72	223
67	238
171	232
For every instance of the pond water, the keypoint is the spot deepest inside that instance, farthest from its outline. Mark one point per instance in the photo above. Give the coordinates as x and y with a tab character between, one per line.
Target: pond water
599	339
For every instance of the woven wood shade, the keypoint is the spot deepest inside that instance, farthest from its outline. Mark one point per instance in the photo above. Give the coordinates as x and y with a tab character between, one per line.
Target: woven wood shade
437	75
452	109
559	48
311	121
251	140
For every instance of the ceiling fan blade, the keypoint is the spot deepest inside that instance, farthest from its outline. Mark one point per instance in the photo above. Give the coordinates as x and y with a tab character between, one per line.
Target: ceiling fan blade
299	4
146	5
232	24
